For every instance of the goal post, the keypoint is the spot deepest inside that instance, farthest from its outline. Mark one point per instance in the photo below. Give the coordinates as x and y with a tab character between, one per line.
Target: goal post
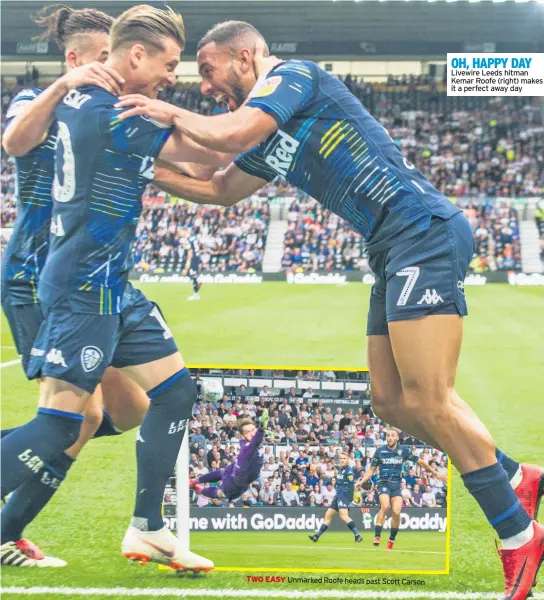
182	493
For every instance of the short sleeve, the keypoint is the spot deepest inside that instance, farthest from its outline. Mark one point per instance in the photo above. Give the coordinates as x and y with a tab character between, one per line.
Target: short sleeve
411	456
375	460
20	102
287	90
137	135
253	162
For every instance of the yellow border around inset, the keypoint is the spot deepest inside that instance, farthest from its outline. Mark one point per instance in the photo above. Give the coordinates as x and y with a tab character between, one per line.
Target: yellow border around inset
366	571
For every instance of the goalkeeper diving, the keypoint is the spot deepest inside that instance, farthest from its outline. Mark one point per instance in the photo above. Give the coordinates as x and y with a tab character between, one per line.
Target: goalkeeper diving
236	477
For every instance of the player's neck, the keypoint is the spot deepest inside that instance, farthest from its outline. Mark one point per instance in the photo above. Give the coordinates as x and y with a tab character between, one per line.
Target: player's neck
393	447
123	69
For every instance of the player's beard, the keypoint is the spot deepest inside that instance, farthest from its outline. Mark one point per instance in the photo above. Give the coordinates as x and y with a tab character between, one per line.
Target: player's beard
238	93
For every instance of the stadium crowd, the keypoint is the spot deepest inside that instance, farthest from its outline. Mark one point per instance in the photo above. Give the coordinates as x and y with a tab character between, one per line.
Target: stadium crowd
230	239
304	438
473	148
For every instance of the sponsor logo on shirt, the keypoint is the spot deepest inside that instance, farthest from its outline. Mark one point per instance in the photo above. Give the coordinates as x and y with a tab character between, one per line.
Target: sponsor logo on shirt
280	152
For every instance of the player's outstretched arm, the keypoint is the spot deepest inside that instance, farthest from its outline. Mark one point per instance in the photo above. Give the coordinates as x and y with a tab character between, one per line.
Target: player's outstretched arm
427	467
225	188
32	119
232	133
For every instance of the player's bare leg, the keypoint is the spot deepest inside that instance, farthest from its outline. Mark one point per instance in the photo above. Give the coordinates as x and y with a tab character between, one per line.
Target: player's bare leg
172	393
426	352
124	400
324	526
385	504
387	389
396	507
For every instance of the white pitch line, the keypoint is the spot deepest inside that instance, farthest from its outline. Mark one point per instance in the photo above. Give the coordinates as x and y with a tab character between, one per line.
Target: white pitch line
353	548
7	347
10	363
252	593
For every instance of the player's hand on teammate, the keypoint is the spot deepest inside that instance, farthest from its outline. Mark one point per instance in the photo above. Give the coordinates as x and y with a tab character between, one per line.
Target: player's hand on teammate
136	104
262	61
95	73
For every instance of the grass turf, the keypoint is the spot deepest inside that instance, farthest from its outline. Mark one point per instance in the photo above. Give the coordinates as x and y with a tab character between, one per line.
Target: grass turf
500	375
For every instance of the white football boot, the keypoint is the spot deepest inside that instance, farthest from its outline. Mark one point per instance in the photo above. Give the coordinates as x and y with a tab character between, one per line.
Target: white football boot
161	547
25	553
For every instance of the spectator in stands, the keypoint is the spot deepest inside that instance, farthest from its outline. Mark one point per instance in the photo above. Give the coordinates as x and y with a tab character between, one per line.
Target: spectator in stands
428	497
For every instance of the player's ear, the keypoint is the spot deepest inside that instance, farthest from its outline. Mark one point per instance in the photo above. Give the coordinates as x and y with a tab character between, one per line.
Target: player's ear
72	59
136	54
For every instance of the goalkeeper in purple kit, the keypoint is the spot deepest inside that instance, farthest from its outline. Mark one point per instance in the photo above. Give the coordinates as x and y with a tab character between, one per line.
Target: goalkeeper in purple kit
236	477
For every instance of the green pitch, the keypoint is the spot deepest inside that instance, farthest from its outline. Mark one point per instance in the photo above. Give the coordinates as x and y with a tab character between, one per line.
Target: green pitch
500	375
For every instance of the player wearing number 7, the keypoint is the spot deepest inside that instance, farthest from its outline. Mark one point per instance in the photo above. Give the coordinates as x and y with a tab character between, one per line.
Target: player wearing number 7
389	459
294	120
91	321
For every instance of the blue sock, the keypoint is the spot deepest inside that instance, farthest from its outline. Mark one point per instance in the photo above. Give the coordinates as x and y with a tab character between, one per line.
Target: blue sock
107	427
393	534
508	464
321	531
351	525
41	440
158	444
492	490
5	432
29	499
378	531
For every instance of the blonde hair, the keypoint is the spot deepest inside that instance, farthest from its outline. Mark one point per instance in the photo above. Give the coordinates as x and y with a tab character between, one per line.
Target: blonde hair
146	25
243	422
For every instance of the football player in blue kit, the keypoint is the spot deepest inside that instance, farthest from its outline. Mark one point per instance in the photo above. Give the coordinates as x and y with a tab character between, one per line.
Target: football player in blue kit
91	317
292	119
30	134
192	262
389	459
345	487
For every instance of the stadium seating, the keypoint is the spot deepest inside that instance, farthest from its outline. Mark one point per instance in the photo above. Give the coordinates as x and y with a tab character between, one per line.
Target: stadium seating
472	149
230	239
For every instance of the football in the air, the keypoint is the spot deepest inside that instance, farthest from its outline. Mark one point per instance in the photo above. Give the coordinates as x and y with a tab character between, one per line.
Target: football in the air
211	390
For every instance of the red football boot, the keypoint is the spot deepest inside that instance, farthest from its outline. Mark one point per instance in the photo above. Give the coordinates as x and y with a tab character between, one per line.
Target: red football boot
376	541
531	489
390	544
521	566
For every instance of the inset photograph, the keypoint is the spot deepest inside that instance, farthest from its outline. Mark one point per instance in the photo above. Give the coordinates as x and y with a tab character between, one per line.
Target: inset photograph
290	470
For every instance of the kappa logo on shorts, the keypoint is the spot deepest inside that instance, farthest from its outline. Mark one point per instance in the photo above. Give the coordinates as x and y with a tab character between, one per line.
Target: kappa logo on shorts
37	352
55	356
91	357
430	297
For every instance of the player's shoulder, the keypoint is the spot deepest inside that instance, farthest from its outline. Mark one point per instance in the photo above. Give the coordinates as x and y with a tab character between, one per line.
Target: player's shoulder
21	99
27	94
89	98
302	68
